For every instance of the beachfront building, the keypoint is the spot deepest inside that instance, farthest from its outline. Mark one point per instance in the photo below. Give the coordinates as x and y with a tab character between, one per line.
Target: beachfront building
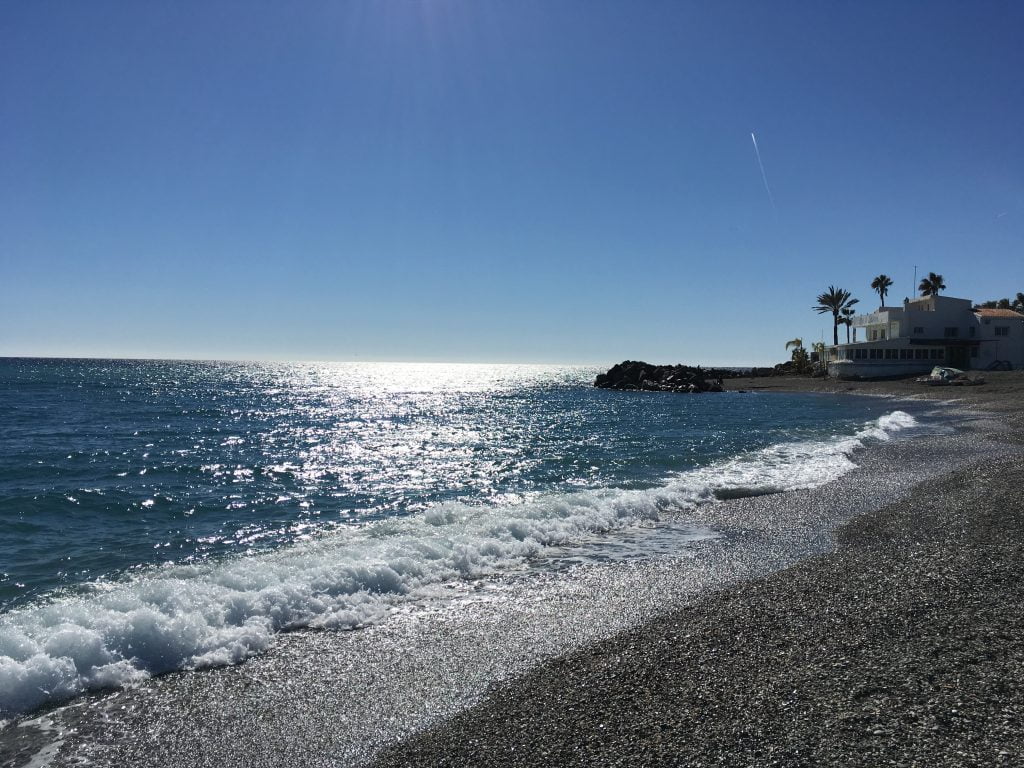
929	331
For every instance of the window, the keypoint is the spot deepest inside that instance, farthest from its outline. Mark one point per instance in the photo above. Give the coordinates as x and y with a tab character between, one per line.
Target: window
1002	330
974	351
905	354
942	354
951	333
972	330
935	354
876	354
918	329
861	354
920	354
891	354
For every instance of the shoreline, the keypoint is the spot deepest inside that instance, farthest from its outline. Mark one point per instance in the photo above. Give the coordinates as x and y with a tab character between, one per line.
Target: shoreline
338	698
1002	392
902	646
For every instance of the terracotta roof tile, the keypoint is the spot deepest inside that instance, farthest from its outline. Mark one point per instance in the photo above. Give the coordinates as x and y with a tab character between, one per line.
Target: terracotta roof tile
984	312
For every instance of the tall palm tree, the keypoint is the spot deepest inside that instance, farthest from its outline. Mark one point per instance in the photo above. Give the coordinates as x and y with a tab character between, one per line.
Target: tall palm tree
931	285
835	300
847	320
795	343
881	284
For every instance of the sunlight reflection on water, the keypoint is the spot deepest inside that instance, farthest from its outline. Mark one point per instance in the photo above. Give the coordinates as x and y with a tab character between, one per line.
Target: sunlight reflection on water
114	465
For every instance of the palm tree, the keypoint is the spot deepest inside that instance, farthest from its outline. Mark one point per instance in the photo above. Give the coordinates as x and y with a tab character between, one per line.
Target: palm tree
799	356
881	284
835	300
931	285
1018	302
847	320
819	351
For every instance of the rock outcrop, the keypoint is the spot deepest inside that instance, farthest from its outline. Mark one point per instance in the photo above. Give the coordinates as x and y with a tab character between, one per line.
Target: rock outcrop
636	375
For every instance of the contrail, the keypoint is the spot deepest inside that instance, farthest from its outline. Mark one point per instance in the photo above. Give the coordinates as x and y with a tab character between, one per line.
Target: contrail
764	176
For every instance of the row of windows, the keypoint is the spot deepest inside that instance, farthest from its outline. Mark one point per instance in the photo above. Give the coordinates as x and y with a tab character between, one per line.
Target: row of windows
952	332
894	354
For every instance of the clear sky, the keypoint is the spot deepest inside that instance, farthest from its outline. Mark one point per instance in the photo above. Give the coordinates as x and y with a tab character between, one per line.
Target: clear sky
471	180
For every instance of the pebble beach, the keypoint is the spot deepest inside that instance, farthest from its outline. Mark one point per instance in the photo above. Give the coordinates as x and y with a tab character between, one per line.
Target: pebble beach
902	646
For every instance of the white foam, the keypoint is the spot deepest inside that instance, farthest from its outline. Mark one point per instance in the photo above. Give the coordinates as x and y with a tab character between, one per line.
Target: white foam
188	617
798	465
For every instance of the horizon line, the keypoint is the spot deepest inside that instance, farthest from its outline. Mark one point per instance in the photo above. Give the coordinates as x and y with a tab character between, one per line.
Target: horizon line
311	361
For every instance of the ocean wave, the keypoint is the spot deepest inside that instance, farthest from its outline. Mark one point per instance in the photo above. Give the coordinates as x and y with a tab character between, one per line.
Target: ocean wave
188	617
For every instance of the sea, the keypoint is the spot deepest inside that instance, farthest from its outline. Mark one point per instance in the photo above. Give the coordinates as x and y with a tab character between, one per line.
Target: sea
180	516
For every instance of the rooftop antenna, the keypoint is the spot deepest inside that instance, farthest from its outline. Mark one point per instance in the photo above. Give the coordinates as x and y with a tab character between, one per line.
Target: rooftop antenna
913	286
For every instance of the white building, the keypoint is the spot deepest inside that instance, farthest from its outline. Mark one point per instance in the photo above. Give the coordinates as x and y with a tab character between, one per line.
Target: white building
929	331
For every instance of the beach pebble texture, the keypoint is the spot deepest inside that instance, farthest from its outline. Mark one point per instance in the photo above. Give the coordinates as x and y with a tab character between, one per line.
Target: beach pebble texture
904	646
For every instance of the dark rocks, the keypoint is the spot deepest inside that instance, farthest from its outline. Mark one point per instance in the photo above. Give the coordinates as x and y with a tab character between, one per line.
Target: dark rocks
635	375
787	368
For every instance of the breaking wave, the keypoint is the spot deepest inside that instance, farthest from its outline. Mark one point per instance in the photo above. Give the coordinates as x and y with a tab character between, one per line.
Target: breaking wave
188	617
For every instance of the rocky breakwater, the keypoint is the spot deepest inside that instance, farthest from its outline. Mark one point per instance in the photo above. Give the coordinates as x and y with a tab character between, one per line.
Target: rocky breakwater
635	375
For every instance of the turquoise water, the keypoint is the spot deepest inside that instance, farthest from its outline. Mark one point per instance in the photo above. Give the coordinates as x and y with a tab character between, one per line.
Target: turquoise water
157	515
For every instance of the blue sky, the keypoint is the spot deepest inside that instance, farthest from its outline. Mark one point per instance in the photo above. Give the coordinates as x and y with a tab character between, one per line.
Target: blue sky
495	181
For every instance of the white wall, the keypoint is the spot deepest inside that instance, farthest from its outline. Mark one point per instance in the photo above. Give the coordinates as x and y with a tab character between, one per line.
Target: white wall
1009	347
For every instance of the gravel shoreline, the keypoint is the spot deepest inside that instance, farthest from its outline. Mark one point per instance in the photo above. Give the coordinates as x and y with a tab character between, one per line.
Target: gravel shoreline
904	646
1002	392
